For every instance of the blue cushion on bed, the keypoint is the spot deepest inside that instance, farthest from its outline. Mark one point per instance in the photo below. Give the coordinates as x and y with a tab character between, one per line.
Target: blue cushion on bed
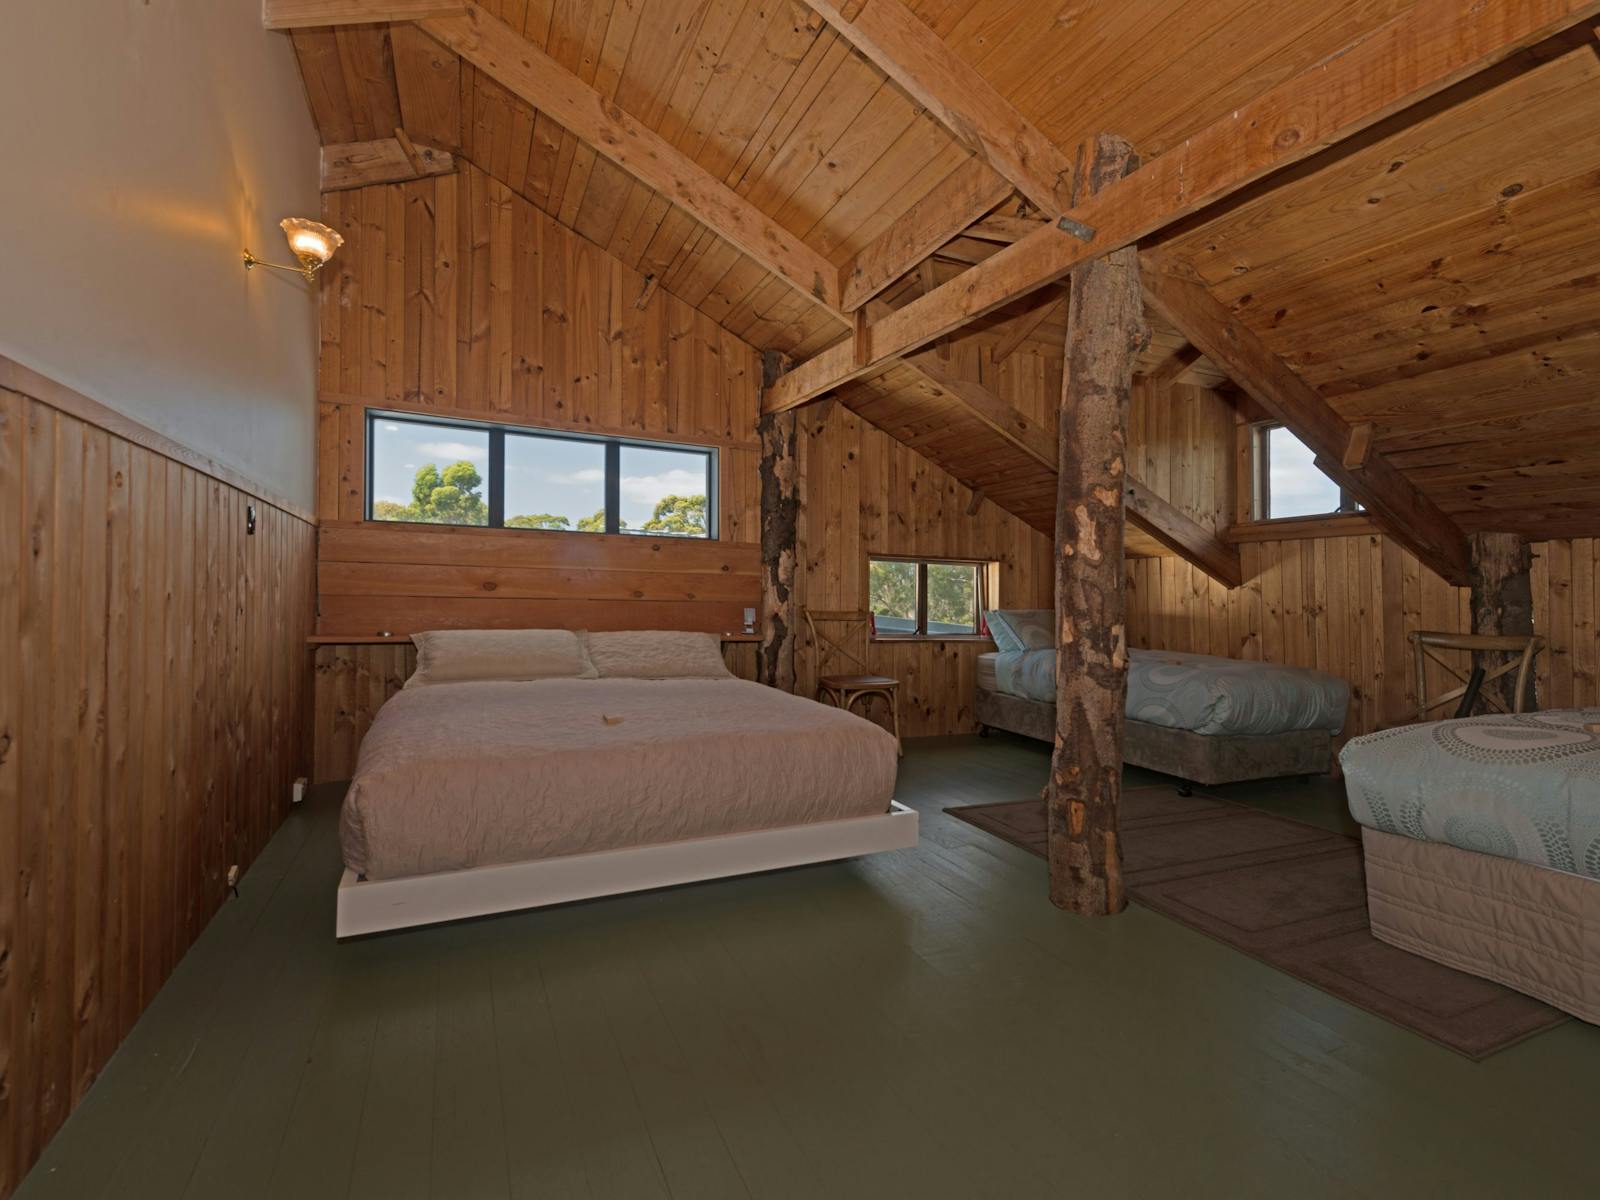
1022	628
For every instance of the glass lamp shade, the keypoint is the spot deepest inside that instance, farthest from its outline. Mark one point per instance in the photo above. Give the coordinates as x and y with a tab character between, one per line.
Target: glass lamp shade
312	242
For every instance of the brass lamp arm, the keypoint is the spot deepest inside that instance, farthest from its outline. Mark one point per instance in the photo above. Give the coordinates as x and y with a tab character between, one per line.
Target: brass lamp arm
306	270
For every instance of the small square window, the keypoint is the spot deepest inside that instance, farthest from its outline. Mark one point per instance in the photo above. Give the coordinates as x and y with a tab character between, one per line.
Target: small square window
912	597
1288	483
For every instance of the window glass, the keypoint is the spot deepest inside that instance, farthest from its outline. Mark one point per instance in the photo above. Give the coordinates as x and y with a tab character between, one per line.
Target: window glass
555	483
1295	487
435	474
952	598
663	491
892	587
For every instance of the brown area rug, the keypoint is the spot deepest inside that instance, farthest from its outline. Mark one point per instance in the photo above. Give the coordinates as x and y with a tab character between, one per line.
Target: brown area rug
1294	897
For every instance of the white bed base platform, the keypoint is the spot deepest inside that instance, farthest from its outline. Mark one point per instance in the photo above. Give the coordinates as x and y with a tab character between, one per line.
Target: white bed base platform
374	905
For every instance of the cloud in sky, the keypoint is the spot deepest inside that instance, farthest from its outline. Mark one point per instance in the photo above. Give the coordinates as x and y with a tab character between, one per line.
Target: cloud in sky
455	451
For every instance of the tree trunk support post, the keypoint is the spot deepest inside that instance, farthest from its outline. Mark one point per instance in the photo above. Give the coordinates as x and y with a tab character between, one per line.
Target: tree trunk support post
780	511
1105	333
1502	600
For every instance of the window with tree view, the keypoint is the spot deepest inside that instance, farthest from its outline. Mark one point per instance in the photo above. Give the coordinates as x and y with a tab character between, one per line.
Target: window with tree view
918	597
499	476
1288	482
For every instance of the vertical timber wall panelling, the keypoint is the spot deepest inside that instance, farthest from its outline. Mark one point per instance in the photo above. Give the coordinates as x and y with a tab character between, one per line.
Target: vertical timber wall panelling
1566	581
864	493
1180	446
354	679
453	295
154	696
1344	605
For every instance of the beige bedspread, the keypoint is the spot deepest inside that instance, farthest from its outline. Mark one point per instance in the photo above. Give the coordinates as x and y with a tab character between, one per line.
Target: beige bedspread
467	774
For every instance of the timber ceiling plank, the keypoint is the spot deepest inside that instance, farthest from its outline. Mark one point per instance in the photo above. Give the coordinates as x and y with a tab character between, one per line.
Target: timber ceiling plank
494	47
1417	55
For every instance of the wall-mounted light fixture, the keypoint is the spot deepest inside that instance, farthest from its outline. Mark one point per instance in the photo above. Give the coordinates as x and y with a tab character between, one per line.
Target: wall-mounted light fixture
312	242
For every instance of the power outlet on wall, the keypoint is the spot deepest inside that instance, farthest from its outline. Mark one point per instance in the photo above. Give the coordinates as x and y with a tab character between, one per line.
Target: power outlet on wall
250	519
299	792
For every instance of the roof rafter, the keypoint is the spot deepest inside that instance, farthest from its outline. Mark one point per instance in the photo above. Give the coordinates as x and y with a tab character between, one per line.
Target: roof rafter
896	40
1412	57
1396	503
499	51
1169	525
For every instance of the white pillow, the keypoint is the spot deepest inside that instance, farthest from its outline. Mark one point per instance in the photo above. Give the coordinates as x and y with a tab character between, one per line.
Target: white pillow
657	654
461	655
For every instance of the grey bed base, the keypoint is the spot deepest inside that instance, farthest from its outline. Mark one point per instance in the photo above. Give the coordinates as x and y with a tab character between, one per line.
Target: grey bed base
1210	759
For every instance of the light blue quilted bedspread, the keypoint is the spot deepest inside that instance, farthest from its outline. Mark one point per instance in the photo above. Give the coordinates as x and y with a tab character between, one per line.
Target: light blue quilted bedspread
1199	692
1525	787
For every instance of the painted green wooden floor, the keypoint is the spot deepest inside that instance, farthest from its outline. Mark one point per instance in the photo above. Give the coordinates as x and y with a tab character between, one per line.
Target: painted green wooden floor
919	1024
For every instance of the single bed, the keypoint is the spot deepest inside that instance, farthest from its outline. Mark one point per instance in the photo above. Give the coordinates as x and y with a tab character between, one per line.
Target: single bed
1199	717
480	796
1482	844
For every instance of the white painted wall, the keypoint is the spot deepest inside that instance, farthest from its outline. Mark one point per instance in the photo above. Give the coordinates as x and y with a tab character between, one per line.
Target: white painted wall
143	143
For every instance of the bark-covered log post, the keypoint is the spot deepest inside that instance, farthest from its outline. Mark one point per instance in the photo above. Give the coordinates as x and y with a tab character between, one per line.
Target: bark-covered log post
1105	333
1502	602
780	512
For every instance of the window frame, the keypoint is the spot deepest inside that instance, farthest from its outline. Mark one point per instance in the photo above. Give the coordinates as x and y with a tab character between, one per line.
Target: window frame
494	471
981	569
1261	481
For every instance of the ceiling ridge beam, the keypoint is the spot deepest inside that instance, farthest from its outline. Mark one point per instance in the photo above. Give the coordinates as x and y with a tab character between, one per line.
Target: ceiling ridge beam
527	72
903	47
1414	56
1394	502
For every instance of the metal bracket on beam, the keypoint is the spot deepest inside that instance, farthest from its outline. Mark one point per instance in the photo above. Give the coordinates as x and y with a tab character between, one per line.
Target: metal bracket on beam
1084	233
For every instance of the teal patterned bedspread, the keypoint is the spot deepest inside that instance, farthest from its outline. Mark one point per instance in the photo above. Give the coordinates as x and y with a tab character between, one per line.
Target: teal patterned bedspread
1525	787
1199	692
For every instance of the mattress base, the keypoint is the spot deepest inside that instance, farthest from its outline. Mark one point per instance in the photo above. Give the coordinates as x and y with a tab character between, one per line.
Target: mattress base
1206	758
1528	927
375	905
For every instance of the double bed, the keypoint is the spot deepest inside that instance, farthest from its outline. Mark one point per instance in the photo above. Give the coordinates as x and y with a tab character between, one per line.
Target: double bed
1482	846
1199	717
477	795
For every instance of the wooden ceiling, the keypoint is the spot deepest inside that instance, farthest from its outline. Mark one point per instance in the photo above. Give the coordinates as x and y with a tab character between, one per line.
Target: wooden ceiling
1437	279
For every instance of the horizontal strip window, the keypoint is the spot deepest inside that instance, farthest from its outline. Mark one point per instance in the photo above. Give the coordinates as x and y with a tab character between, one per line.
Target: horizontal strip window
924	597
433	472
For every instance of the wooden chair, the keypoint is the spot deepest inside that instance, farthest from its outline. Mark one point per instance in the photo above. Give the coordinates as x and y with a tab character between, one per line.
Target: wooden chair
838	651
1428	645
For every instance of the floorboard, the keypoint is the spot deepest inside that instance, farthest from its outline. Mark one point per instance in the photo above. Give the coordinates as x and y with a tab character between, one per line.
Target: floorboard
918	1023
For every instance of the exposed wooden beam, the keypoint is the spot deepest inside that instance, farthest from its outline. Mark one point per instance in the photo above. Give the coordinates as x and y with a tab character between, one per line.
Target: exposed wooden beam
1502	602
999	228
1177	366
780	512
1394	501
358	164
1024	327
975	502
307	14
506	56
1434	44
1174	529
409	148
1359	447
895	39
1182	534
963	196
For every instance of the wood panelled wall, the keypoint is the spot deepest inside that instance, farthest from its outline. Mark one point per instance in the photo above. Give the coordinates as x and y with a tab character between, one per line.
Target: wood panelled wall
1181	446
865	493
1347	605
154	704
454	296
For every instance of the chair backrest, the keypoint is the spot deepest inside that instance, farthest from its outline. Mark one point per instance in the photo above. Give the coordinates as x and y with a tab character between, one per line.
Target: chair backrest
1429	645
839	640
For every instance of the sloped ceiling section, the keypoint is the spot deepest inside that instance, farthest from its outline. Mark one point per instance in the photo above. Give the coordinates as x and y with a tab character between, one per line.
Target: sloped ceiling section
1436	278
